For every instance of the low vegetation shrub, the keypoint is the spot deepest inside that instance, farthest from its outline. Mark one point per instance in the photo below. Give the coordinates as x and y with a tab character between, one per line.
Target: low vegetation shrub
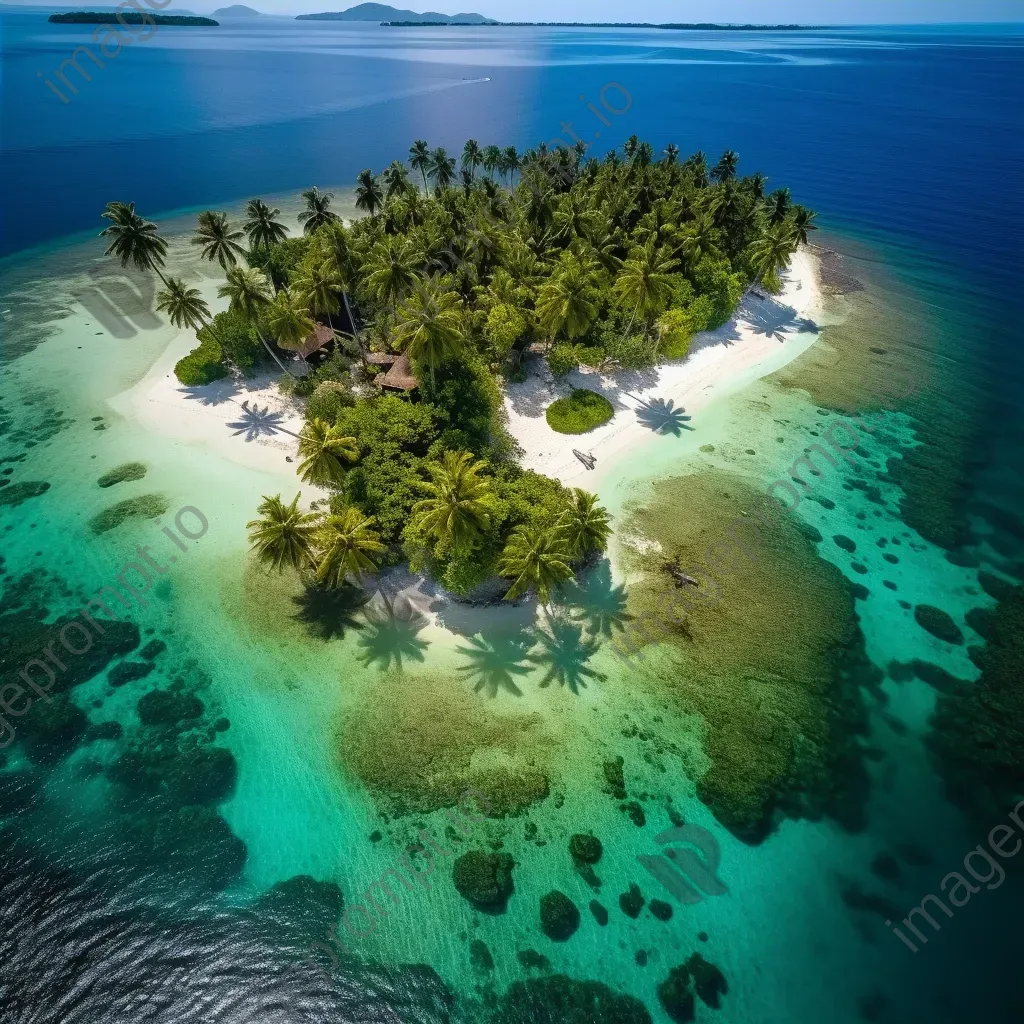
581	411
203	365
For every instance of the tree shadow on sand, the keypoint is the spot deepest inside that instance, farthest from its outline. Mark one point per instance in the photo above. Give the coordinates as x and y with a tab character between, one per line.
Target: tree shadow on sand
495	662
391	635
596	602
663	417
328	614
256	422
564	653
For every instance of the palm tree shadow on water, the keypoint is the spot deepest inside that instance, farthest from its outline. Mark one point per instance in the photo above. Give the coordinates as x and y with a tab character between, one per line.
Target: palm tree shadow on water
495	662
663	417
391	635
563	651
595	601
328	614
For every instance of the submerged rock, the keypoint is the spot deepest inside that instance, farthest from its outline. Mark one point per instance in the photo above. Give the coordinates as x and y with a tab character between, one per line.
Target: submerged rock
145	506
128	671
15	494
480	956
995	586
51	730
697	975
302	902
660	909
939	623
559	916
533	961
120	474
613	774
585	849
600	912
632	901
708	981
485	879
167	707
563	1000
977	738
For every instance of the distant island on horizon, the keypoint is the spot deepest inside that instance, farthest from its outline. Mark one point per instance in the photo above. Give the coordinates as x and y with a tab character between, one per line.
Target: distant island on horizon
392	17
382	13
127	18
237	11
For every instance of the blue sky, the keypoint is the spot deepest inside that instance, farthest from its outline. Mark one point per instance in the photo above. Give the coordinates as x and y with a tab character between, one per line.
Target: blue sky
830	12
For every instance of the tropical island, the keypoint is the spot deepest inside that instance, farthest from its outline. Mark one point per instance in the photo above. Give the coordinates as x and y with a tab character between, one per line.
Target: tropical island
128	18
401	328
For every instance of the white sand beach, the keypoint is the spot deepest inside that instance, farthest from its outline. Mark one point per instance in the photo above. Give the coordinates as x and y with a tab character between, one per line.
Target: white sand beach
243	419
249	422
763	336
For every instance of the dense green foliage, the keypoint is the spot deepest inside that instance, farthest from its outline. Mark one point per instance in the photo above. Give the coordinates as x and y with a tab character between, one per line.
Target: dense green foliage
581	411
607	263
203	365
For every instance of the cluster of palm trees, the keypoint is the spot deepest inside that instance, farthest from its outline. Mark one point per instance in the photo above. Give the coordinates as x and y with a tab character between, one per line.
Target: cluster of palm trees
286	313
335	546
454	515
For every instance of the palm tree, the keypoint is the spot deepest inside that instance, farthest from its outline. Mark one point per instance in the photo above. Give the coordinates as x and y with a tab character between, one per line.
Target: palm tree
510	162
262	227
184	306
341	263
442	168
430	326
671	152
779	204
629	147
289	320
585	525
459	507
725	169
318	287
218	239
770	254
369	196
535	559
390	269
645	282
133	240
419	159
698	165
802	223
491	159
345	543
756	183
283	536
324	450
318	210
248	292
396	179
700	238
471	156
566	300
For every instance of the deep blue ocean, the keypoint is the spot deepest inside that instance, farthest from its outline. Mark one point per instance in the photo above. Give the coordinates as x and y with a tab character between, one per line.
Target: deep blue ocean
909	143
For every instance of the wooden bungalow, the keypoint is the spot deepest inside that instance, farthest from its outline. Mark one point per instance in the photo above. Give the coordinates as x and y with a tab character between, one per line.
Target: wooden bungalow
396	372
321	337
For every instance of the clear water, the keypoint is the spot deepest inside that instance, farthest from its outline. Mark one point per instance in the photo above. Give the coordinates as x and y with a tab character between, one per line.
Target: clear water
908	143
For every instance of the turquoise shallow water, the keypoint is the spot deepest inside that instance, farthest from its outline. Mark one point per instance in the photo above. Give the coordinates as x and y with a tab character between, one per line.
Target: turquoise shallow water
790	945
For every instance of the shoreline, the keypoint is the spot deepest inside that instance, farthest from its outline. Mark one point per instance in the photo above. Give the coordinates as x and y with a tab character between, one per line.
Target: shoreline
761	337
